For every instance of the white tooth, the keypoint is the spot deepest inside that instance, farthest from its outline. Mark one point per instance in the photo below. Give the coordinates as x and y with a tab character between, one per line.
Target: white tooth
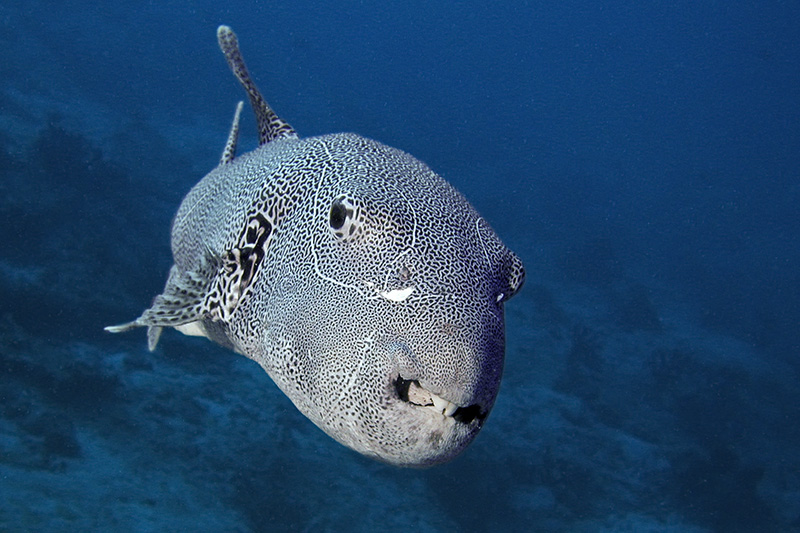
443	406
439	403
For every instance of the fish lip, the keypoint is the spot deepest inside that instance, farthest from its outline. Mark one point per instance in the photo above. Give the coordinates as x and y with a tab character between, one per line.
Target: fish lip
410	391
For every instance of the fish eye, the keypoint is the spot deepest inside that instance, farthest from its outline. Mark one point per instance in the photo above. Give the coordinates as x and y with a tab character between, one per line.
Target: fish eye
345	218
515	278
338	215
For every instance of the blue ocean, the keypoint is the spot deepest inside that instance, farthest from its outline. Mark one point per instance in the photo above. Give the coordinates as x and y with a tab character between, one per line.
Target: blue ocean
642	158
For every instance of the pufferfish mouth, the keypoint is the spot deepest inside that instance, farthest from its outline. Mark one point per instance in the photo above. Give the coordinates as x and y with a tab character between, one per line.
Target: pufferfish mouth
410	391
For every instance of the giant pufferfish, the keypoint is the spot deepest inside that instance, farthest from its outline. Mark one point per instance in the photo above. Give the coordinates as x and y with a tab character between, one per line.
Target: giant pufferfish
366	286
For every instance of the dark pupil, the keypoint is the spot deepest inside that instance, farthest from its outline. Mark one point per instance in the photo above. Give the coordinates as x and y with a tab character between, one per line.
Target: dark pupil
338	215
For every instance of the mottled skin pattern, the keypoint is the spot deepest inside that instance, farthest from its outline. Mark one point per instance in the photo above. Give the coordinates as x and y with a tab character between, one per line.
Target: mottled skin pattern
365	285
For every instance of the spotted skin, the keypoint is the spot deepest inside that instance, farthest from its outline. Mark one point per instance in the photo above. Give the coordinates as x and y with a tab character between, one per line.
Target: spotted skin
366	286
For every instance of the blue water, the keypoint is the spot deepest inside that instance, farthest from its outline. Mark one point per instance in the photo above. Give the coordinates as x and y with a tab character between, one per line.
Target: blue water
642	158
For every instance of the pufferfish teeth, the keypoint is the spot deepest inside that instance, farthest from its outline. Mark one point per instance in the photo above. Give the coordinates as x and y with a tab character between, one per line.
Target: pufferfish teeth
412	392
418	395
443	406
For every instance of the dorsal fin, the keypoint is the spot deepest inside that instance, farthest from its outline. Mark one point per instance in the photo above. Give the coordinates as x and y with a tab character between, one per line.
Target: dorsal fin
229	153
270	125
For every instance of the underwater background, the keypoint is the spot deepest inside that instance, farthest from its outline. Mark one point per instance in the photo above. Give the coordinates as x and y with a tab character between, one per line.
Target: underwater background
643	158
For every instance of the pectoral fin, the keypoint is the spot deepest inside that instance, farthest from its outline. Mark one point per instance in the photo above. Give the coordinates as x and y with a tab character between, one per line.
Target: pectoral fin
213	291
184	301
